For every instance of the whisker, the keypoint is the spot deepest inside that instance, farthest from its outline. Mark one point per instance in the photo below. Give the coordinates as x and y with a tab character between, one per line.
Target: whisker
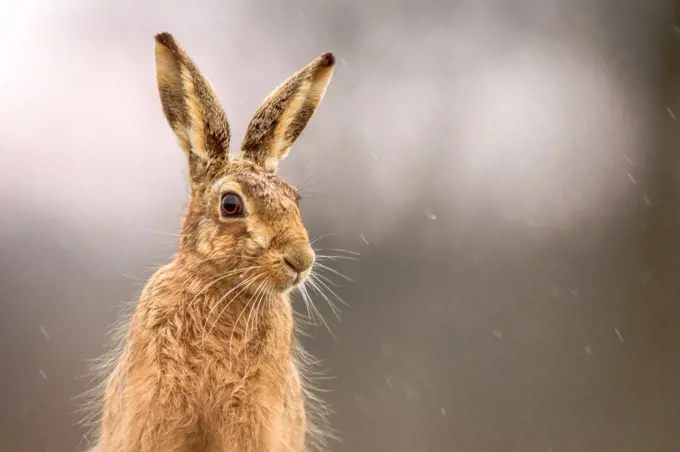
254	311
157	232
339	250
314	308
248	282
233	329
220	278
338	297
327	279
319	264
335	258
269	296
321	237
334	308
305	297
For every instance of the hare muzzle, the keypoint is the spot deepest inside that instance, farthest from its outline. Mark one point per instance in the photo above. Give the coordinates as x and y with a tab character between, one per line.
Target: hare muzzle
298	262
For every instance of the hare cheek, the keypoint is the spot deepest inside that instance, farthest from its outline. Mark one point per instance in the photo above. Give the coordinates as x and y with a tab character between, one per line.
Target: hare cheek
259	236
205	245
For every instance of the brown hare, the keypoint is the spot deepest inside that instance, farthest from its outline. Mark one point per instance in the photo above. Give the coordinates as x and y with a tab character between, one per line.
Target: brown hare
209	360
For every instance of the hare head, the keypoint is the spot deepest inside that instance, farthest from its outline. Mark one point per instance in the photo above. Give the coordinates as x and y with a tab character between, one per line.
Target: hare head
241	216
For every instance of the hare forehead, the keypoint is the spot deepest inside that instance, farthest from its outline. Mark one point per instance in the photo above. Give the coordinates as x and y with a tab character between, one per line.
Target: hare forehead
265	186
259	185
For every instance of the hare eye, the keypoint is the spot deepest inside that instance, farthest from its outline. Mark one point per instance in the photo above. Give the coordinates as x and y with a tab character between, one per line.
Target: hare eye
231	205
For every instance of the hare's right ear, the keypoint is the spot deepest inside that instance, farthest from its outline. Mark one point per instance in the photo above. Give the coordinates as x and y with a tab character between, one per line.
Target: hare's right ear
191	108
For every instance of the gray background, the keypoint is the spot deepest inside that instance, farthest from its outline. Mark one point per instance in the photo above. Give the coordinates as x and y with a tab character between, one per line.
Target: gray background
512	165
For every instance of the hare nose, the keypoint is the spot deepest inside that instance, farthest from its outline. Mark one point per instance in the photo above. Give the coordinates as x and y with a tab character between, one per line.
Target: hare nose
299	259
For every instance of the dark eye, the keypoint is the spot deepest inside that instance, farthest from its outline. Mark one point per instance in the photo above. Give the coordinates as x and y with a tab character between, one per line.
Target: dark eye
231	205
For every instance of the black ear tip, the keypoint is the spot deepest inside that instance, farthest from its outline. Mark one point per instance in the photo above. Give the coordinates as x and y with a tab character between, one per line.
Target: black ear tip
327	59
167	40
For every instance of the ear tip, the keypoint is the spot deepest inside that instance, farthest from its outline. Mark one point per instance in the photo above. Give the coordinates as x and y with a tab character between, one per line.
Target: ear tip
327	59
167	40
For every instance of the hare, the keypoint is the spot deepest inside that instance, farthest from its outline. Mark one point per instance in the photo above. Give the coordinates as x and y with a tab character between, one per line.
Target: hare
209	360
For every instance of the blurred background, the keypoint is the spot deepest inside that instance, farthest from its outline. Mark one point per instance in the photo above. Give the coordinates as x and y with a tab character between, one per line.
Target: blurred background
508	172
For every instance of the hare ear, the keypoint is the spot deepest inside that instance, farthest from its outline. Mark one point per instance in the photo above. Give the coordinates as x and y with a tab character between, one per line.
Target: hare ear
191	107
279	121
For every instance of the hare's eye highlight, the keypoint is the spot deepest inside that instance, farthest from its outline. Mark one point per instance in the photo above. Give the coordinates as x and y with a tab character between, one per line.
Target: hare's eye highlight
231	205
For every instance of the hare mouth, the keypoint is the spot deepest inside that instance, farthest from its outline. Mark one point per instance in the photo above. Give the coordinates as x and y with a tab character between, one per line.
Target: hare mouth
297	276
294	279
298	279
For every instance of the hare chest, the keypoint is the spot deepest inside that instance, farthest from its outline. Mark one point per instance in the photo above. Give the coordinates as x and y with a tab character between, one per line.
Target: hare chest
210	411
259	414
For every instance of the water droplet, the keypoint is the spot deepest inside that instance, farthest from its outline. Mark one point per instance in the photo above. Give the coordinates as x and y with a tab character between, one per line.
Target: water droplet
618	334
670	113
44	332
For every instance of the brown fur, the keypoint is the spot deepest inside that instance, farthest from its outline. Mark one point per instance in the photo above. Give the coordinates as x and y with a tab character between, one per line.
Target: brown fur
209	360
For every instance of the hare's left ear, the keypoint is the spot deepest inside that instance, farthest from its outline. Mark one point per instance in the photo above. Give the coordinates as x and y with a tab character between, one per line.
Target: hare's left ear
285	112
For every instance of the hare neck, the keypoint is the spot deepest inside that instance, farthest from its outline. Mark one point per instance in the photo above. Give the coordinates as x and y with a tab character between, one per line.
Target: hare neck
218	312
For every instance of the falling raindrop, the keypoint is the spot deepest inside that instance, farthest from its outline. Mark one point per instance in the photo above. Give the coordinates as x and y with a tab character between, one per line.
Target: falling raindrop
44	332
618	334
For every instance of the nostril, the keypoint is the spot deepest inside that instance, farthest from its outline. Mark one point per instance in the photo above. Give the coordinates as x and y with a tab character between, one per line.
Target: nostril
299	259
292	264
